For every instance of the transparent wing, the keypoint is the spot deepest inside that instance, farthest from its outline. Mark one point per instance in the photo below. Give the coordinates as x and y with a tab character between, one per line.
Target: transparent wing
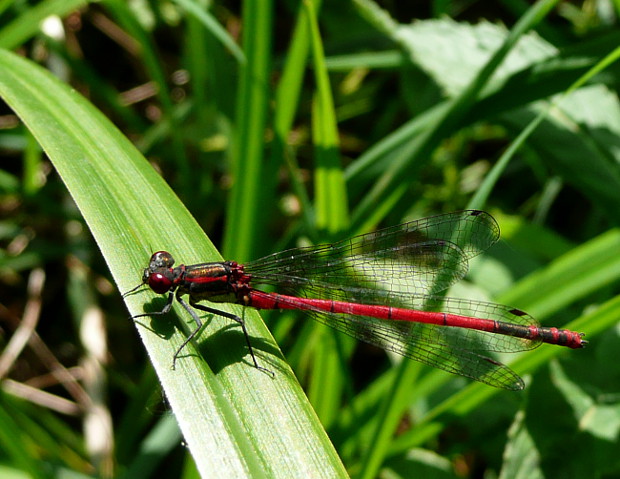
424	257
403	266
455	350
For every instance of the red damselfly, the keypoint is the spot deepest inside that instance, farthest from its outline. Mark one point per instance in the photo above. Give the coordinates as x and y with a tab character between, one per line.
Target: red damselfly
381	288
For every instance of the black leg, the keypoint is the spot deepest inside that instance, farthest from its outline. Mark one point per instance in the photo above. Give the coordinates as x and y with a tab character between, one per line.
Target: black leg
199	325
224	314
166	309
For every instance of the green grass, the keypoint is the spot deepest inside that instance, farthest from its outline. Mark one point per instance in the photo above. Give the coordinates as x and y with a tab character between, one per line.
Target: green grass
284	124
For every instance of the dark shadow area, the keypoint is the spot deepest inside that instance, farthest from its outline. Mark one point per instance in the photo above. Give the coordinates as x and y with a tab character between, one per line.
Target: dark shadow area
219	348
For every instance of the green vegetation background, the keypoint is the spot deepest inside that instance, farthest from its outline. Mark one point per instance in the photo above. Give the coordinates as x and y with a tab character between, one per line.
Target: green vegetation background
135	126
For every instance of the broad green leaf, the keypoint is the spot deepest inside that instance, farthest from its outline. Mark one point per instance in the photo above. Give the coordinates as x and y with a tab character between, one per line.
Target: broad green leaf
583	130
237	421
522	457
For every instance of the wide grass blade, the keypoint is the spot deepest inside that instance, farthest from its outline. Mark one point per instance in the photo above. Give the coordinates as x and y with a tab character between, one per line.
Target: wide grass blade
237	421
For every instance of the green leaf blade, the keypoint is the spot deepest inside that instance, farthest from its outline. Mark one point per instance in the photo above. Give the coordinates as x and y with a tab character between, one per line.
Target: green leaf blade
236	420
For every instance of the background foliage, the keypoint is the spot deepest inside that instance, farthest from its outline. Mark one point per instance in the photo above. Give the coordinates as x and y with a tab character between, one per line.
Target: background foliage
279	124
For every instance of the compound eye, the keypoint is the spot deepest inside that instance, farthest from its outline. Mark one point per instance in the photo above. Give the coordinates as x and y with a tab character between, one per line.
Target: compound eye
159	283
161	259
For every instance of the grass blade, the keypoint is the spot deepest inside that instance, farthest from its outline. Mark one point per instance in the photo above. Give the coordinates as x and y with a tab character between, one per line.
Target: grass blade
236	420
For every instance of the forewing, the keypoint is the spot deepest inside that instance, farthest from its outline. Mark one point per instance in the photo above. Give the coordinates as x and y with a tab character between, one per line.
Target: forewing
424	257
